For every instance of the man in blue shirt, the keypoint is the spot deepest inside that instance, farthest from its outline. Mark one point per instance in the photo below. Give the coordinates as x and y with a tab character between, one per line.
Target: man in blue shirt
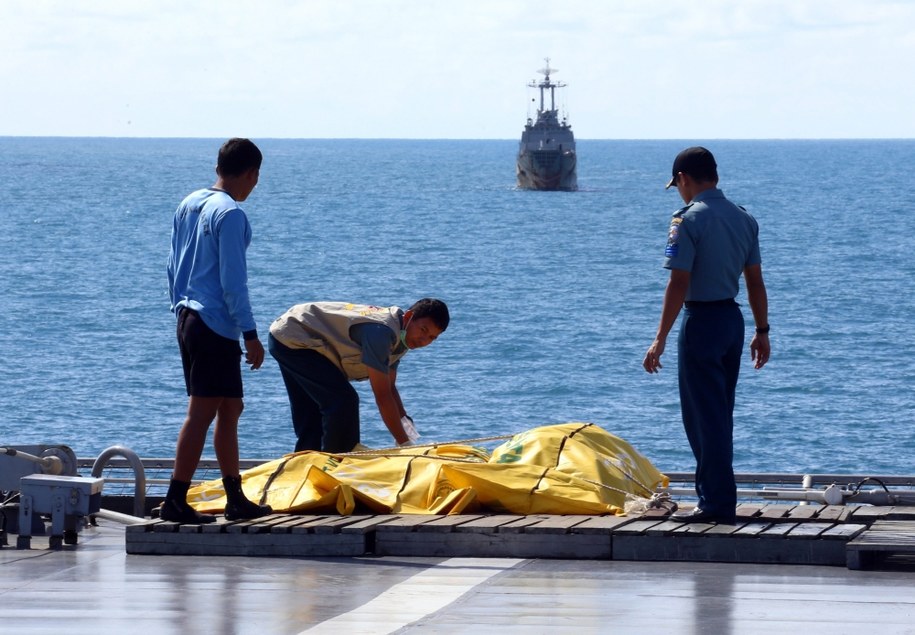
710	243
208	290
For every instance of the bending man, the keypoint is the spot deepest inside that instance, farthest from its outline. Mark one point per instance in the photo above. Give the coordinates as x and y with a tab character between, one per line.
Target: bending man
322	346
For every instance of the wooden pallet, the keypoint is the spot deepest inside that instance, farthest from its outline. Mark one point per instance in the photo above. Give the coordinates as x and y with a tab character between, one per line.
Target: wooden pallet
882	539
275	535
802	534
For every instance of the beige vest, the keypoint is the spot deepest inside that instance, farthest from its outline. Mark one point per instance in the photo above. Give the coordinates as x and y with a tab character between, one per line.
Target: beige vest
324	327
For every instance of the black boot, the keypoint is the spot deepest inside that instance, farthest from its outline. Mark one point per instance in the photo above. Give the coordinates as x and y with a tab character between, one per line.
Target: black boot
238	507
175	508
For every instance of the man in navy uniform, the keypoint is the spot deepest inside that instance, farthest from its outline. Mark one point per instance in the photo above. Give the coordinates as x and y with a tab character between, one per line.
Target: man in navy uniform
711	242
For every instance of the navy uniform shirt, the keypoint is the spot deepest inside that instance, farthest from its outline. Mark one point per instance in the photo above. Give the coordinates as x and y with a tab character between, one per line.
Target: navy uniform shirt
714	240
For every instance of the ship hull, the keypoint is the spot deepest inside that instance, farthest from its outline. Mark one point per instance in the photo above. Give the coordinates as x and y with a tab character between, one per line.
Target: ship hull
547	170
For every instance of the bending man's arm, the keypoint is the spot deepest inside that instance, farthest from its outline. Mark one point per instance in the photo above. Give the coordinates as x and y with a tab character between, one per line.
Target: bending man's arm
388	401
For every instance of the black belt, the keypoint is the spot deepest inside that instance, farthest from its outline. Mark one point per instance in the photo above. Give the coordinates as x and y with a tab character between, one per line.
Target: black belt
695	304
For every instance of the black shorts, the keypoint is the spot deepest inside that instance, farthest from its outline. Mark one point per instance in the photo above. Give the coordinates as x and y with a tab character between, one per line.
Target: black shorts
212	363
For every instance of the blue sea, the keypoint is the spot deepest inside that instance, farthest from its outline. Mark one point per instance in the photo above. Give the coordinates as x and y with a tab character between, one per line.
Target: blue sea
554	296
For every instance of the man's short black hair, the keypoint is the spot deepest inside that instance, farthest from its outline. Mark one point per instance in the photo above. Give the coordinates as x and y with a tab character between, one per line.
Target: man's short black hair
237	156
434	309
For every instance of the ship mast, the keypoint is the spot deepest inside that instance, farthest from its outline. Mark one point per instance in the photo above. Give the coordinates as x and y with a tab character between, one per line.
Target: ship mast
546	83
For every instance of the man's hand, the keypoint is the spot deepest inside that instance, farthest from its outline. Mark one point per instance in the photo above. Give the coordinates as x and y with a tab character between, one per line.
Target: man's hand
652	361
760	349
409	428
254	353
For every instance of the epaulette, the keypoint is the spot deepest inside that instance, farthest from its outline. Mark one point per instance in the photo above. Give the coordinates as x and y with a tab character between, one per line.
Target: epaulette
683	209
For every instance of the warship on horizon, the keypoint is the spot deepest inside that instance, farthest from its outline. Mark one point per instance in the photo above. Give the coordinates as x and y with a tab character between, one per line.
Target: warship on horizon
546	156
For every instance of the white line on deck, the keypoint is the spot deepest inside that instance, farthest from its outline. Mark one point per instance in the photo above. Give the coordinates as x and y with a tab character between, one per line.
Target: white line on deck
416	597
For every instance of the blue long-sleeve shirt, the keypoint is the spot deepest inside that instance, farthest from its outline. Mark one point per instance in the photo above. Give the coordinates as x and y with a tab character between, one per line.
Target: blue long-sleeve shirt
207	269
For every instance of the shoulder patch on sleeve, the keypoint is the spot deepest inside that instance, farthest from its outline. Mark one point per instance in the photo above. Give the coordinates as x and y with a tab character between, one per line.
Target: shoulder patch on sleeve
673	238
673	234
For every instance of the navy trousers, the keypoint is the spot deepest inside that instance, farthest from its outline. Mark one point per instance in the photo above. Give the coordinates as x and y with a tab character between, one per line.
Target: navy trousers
324	405
710	344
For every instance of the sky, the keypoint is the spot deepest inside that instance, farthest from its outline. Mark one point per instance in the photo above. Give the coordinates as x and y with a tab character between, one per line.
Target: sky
456	69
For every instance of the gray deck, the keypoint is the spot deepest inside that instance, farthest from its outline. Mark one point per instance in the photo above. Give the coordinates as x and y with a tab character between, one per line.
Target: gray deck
464	573
96	587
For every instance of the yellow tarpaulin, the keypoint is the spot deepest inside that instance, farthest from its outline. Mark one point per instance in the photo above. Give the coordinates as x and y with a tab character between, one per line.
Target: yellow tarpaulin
570	468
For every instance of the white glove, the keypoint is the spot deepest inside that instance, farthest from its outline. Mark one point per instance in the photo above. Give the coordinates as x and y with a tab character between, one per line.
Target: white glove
410	429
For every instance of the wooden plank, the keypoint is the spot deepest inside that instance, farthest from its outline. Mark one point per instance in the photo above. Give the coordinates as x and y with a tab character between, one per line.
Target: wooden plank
293	521
865	513
843	531
635	527
692	528
902	512
487	524
749	510
141	528
267	524
366	524
752	529
723	530
519	525
835	513
446	524
801	512
189	529
808	530
654	513
312	524
165	527
554	525
778	530
405	523
601	524
773	511
219	527
902	526
886	536
332	524
664	527
245	526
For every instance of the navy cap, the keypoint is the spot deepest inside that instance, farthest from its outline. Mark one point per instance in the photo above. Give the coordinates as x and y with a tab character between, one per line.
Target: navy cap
697	162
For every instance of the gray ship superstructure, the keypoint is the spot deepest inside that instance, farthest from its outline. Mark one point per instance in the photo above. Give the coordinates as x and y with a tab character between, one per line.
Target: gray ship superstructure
546	155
